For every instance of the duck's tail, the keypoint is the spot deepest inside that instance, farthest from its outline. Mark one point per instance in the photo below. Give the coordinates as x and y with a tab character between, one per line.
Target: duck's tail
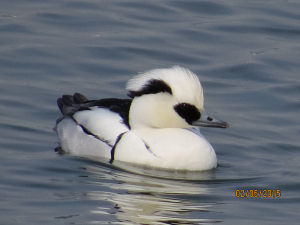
69	104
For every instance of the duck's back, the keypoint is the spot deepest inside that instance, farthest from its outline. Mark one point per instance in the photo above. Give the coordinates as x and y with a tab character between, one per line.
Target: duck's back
91	128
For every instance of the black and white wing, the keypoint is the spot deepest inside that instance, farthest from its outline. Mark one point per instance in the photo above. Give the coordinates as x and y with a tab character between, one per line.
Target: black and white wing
89	125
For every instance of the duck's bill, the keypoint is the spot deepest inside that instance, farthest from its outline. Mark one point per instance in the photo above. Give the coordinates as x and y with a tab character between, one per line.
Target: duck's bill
209	121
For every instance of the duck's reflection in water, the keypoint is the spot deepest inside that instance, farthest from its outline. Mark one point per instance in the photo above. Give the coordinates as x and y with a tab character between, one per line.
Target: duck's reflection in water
141	199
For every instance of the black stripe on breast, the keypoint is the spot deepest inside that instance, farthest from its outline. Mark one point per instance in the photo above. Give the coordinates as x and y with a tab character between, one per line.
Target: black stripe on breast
112	152
148	148
146	145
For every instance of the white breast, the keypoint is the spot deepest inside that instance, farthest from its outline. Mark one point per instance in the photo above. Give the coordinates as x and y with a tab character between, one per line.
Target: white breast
169	148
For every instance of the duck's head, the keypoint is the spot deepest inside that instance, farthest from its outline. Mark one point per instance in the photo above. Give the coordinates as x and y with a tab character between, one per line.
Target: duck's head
170	97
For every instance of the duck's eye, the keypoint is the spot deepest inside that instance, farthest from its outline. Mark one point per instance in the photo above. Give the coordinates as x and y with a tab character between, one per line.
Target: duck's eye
184	106
209	118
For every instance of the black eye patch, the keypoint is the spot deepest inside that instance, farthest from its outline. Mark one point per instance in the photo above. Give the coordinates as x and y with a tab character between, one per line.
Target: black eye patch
151	87
188	112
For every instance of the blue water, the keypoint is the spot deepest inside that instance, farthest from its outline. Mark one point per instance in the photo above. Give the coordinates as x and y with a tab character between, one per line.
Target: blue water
246	54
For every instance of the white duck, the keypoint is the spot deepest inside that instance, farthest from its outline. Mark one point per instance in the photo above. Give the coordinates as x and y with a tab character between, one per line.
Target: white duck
157	127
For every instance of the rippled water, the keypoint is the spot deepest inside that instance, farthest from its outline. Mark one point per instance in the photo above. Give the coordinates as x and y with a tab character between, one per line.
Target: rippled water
246	54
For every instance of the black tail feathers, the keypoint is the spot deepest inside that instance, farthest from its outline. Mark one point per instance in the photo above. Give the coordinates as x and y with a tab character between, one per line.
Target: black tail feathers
69	104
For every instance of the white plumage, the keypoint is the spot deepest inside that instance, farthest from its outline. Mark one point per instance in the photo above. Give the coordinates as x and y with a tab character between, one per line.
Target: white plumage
185	84
158	127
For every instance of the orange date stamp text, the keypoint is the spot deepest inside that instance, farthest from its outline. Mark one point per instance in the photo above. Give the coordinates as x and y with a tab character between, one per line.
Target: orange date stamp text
258	193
